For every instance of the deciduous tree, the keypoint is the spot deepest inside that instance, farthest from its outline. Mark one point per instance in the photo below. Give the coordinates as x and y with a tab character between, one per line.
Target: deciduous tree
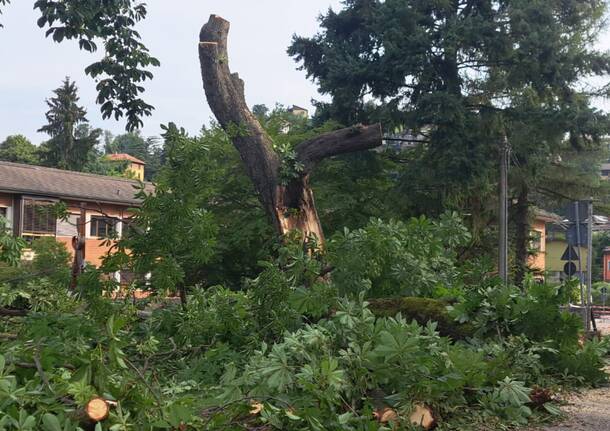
18	149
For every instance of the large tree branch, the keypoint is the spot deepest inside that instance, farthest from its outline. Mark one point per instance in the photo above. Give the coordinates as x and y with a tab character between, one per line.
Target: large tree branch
13	312
225	95
355	138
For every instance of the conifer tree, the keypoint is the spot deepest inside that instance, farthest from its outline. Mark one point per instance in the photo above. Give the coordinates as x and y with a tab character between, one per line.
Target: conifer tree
466	75
67	125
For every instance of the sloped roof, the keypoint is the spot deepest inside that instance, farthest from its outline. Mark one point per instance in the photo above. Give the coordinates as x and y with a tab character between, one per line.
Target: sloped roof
39	180
124	156
547	216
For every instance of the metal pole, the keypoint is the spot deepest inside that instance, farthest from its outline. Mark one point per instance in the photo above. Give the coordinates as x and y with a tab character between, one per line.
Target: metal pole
578	244
503	213
589	259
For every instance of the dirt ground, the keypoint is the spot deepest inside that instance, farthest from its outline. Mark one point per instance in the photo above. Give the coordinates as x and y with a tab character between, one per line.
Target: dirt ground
588	411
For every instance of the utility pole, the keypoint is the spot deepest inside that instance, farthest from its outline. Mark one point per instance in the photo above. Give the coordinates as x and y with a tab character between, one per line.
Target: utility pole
503	212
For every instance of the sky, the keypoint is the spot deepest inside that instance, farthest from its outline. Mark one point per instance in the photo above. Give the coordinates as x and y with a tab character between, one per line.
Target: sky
32	65
261	31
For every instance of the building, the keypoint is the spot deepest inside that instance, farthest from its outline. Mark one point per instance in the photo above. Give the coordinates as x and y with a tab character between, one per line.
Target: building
549	245
298	111
135	167
28	193
537	260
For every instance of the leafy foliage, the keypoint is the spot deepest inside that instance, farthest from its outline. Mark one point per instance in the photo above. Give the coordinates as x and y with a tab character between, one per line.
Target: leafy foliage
287	344
18	149
10	246
398	258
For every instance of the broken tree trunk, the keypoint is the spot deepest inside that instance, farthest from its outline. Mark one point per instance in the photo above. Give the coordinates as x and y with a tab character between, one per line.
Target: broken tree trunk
290	206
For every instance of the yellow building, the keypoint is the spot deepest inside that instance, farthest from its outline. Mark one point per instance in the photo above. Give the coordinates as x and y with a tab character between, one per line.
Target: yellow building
556	246
134	166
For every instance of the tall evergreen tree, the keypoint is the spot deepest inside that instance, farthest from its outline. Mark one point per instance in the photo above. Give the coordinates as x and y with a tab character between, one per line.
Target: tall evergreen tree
466	74
71	138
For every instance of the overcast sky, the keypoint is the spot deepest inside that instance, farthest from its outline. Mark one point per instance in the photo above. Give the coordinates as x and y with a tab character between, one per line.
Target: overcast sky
32	65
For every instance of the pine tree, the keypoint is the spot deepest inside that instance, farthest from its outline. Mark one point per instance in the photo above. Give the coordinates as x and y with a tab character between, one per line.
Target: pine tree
67	125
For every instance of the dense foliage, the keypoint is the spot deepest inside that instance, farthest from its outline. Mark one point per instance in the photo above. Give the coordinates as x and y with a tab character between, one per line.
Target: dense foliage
297	348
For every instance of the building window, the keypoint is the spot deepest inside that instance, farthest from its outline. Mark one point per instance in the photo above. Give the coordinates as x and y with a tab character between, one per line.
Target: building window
3	212
103	227
38	217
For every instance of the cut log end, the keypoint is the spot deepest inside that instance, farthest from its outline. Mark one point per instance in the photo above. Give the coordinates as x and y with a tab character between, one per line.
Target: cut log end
97	409
422	416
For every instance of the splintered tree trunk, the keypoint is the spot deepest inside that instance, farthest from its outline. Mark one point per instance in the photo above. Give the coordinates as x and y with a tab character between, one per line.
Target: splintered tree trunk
290	206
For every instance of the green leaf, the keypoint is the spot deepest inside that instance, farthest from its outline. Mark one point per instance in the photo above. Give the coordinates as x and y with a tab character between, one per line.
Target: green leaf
552	409
50	422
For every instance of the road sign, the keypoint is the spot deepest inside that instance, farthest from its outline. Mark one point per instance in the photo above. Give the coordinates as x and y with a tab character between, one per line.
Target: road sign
569	268
578	213
569	254
581	207
572	236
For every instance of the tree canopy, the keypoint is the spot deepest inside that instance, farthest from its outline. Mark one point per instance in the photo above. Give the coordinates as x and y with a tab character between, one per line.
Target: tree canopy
18	149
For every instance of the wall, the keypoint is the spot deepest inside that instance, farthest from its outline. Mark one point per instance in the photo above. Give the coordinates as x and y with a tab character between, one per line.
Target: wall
554	251
538	261
95	248
137	170
606	261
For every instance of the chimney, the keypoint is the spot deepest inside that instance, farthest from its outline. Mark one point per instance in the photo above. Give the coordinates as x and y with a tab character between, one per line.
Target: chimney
134	166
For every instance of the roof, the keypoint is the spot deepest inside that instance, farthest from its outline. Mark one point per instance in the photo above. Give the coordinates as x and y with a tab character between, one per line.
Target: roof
125	156
51	182
547	216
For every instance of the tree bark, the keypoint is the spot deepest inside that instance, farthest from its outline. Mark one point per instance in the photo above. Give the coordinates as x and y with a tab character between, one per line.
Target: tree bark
522	235
290	206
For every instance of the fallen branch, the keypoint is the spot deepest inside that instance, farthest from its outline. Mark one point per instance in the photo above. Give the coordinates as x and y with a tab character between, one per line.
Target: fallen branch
146	383
13	312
